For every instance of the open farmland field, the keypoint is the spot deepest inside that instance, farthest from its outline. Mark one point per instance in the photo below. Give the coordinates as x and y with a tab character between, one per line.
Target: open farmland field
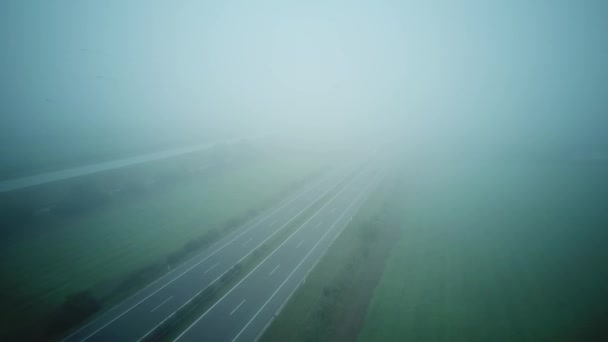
43	264
496	252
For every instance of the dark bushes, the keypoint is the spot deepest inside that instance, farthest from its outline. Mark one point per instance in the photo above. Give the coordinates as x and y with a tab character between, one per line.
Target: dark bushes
75	309
138	277
192	246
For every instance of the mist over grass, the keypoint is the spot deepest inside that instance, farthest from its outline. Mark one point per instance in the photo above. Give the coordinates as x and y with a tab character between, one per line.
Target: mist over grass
495	251
434	84
90	80
78	246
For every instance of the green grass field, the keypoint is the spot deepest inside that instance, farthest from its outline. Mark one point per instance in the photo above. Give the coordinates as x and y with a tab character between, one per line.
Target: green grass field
496	252
40	268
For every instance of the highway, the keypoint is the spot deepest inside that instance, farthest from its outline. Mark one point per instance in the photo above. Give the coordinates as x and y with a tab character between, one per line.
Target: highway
141	314
246	309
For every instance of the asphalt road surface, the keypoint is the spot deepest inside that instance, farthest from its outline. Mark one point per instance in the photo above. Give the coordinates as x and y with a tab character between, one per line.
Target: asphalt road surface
138	316
245	310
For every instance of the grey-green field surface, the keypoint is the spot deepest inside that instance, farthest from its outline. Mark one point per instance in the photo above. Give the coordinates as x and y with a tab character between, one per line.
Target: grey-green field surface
496	252
406	170
43	265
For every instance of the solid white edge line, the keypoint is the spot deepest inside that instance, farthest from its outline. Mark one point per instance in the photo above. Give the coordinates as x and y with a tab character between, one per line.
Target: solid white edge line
237	307
258	265
189	269
216	279
274	269
301	262
327	248
255	248
274	316
159	305
210	268
302	281
270	212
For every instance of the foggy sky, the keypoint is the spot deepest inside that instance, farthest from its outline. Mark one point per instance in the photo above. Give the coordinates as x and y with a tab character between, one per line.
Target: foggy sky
94	75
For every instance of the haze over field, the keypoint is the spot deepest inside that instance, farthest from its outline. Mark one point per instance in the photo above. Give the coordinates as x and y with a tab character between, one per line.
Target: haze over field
142	75
499	107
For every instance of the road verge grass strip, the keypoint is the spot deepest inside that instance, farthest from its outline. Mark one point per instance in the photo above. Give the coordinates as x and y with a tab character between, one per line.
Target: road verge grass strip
202	302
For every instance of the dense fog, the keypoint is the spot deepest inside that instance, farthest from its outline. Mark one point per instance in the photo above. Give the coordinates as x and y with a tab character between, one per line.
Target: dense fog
114	77
303	171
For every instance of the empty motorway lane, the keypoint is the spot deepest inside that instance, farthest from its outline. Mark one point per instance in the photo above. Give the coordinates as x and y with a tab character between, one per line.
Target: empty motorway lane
139	315
246	309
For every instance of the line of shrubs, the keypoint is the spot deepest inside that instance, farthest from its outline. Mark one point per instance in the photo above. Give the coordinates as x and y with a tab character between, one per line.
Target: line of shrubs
74	310
78	307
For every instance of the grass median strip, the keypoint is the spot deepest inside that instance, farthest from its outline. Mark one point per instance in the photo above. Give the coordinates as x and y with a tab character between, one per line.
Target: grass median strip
136	281
334	297
93	260
201	302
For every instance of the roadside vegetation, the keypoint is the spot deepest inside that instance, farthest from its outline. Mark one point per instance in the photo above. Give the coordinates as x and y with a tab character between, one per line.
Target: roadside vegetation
72	249
464	251
491	251
330	305
203	301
